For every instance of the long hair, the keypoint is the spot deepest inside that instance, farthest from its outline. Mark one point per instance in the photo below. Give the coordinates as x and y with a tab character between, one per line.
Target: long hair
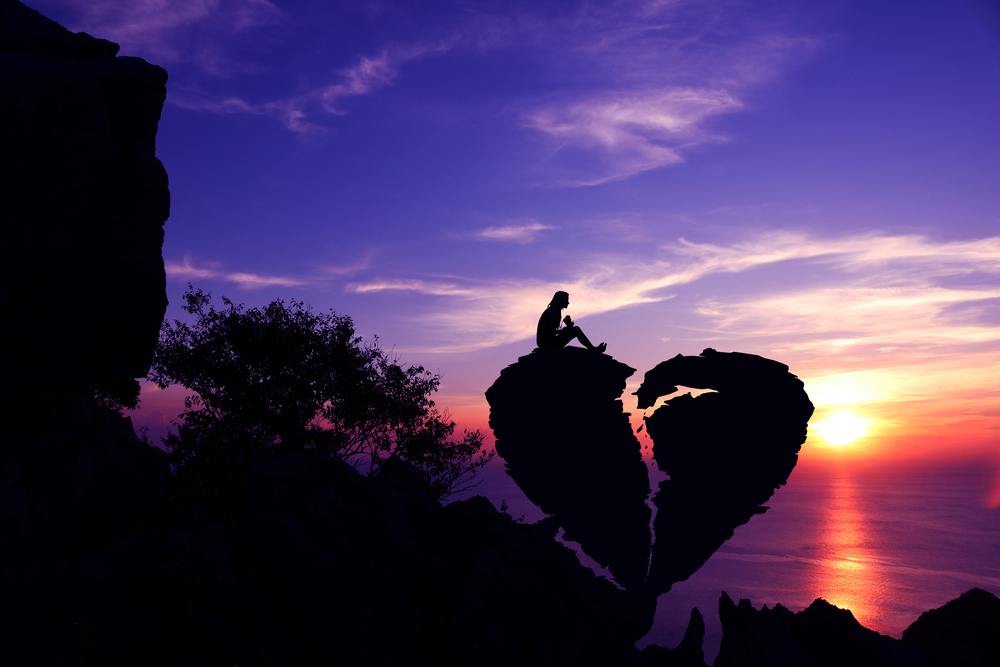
556	298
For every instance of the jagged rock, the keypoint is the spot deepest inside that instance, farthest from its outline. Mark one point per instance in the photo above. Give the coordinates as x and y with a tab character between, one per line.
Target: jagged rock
726	451
82	283
745	432
566	441
568	444
963	633
459	584
689	653
820	635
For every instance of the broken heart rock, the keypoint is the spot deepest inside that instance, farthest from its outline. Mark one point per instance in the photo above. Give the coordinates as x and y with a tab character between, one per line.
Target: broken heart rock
726	451
567	442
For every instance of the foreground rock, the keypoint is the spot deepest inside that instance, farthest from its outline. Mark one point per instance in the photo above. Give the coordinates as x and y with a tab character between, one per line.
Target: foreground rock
689	653
966	632
320	567
82	283
817	636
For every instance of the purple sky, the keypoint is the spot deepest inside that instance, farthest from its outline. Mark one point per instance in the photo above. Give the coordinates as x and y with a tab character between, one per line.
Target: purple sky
818	185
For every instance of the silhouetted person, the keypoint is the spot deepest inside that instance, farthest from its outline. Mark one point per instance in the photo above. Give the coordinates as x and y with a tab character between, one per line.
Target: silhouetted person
551	337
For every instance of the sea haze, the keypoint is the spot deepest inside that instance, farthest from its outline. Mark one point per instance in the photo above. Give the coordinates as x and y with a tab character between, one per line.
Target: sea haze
886	542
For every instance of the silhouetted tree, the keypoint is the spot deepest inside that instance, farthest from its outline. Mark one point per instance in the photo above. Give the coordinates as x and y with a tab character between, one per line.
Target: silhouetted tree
114	396
285	377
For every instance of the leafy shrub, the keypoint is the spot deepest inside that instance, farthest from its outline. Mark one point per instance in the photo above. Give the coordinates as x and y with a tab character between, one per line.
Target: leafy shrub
285	377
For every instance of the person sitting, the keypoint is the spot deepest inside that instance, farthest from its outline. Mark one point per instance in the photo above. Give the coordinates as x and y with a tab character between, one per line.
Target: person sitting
551	337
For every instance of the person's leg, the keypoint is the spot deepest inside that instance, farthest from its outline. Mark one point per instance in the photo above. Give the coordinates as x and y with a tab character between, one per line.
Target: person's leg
580	336
563	337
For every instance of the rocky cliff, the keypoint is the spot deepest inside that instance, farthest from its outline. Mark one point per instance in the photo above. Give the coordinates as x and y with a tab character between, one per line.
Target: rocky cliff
84	199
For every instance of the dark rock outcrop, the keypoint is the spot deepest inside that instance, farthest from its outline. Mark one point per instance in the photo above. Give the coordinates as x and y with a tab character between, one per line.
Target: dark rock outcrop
821	635
567	442
689	653
323	567
71	477
84	199
726	451
963	633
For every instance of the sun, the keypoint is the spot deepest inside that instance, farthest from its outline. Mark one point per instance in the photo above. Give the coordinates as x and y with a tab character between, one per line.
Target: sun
842	428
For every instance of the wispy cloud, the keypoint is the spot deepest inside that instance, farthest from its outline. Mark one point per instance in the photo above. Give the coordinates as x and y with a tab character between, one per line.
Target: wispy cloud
889	288
187	270
633	132
168	31
516	233
432	288
637	82
901	330
659	72
367	75
365	262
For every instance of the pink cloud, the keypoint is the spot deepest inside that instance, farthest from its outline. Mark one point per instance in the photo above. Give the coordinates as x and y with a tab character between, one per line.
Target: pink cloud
633	131
187	270
515	233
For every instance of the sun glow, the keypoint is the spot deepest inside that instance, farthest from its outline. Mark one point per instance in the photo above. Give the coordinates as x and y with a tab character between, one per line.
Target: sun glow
842	428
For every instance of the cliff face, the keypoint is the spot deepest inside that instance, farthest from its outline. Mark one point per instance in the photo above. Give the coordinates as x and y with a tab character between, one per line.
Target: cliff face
84	199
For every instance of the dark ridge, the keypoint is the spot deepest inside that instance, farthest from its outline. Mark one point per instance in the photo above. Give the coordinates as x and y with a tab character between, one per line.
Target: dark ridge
322	566
821	635
689	652
966	631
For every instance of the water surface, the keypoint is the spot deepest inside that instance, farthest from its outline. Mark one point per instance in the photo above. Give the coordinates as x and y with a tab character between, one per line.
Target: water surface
886	542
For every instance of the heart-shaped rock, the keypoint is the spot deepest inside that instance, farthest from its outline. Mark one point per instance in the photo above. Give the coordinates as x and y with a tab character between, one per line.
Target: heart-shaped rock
568	444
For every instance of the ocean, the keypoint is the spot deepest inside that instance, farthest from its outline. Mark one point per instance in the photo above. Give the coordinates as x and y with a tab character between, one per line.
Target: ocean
887	542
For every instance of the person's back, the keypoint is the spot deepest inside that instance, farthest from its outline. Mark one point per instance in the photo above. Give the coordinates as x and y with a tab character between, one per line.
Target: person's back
548	326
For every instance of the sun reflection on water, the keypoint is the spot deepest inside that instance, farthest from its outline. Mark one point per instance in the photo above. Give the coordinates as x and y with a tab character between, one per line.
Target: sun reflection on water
849	573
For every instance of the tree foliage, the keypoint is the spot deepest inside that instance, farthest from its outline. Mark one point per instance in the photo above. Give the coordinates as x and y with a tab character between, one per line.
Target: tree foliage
113	396
285	377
